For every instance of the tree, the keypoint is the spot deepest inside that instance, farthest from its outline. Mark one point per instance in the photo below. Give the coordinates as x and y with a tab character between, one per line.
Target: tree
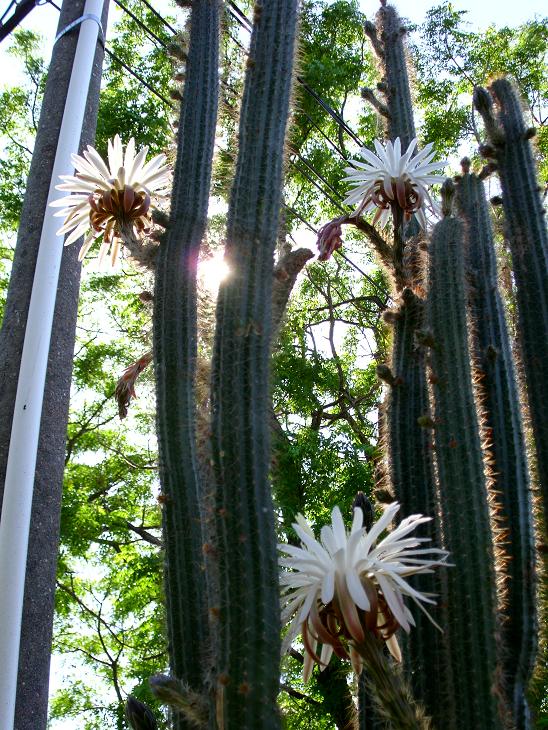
324	388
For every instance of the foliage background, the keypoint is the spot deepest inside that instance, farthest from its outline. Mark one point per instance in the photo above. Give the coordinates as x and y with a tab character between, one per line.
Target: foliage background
109	626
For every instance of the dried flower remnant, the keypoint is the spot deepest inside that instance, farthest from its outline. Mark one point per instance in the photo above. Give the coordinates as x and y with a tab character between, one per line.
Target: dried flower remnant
125	387
347	584
138	715
391	178
329	239
104	198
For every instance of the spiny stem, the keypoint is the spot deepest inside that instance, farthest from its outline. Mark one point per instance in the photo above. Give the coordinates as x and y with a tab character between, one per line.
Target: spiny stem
390	691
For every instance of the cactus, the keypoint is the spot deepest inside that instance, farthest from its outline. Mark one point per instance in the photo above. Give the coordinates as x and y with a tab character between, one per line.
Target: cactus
471	625
408	443
387	41
366	719
248	610
175	354
502	427
412	476
527	236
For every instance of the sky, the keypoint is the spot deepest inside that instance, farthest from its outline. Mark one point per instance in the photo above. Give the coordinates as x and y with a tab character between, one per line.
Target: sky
44	19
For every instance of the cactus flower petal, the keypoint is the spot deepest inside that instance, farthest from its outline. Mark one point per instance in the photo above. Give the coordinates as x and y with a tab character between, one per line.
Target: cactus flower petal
391	178
347	583
107	197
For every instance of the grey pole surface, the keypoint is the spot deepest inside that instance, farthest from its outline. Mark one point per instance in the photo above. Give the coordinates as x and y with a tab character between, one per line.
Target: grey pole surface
35	651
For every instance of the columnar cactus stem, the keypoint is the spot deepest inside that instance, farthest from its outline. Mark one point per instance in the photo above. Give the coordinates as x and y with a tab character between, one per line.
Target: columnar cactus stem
471	625
367	718
175	353
410	452
390	32
409	444
248	610
528	238
508	477
392	700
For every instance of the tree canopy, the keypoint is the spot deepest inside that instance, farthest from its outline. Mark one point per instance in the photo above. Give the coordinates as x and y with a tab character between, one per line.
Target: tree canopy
325	389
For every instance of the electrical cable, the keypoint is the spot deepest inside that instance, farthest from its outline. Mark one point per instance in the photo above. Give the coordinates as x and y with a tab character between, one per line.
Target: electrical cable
324	135
7	10
160	17
133	73
22	9
242	17
140	23
139	78
324	105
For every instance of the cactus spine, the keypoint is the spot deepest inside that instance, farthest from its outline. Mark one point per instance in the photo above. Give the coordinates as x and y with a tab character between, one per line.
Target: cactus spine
249	648
412	474
528	238
509	479
471	624
409	444
175	352
395	84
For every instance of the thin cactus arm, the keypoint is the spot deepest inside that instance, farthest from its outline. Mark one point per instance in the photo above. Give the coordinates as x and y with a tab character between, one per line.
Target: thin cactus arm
525	223
248	624
395	84
465	519
175	354
410	458
508	476
409	440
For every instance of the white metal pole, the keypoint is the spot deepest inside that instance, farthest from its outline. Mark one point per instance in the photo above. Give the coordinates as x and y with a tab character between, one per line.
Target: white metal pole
18	489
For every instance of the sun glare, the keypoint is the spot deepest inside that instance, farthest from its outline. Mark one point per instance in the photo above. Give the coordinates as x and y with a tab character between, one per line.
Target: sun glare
212	271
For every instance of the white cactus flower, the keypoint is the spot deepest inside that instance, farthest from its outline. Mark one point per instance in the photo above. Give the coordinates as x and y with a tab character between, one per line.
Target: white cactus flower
104	198
345	584
390	177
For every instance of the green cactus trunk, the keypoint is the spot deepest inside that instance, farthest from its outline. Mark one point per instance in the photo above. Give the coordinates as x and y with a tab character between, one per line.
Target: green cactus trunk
502	426
367	718
391	32
528	238
175	353
412	474
471	625
247	664
409	444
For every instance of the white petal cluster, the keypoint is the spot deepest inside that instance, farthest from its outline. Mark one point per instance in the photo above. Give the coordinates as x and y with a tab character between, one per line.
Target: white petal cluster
390	176
341	565
127	173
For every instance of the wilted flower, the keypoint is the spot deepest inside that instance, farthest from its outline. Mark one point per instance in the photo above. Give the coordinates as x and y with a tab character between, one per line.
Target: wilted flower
344	585
125	387
329	239
107	198
388	178
139	715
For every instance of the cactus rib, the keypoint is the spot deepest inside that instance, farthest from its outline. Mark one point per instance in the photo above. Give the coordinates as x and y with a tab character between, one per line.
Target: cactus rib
508	478
465	519
249	623
175	352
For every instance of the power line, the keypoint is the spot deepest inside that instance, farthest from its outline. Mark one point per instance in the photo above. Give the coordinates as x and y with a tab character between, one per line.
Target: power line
324	135
160	17
139	78
20	11
140	23
241	20
128	68
239	15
